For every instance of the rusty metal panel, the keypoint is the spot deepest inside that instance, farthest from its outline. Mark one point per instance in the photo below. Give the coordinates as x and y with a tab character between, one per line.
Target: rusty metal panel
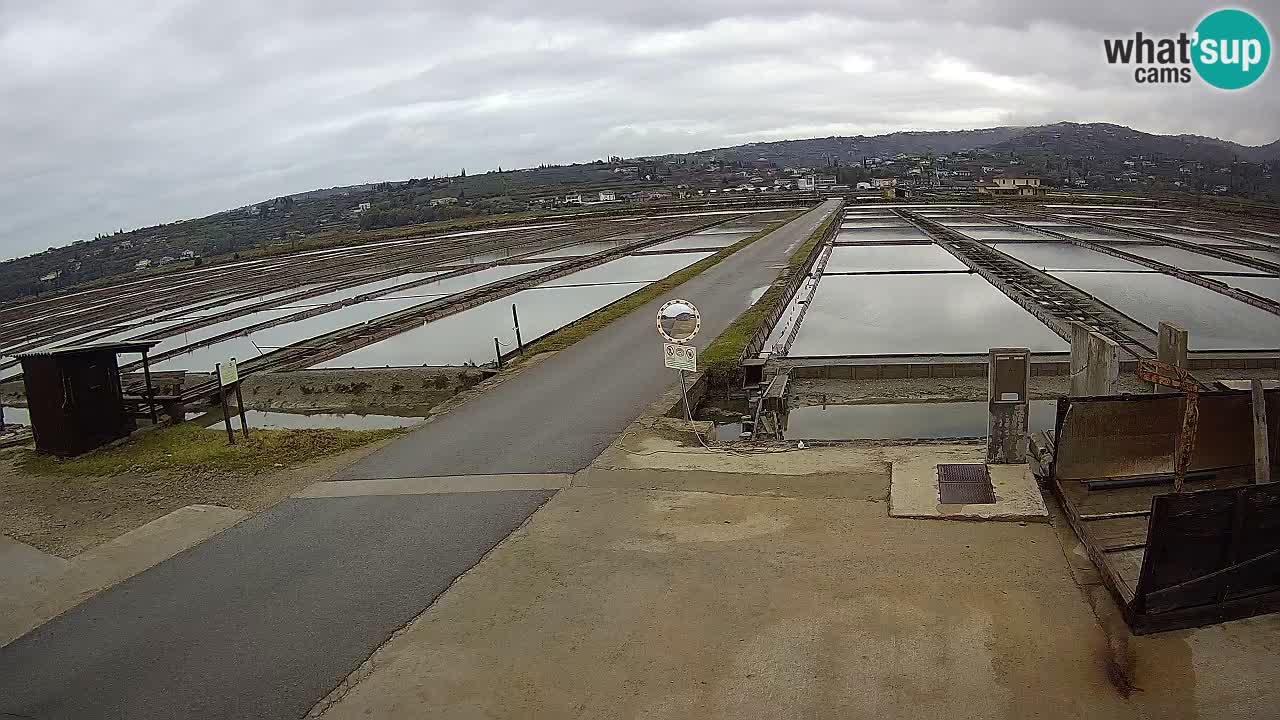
75	400
1127	436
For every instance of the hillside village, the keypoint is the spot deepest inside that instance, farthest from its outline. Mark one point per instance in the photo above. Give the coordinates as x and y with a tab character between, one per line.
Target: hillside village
1066	156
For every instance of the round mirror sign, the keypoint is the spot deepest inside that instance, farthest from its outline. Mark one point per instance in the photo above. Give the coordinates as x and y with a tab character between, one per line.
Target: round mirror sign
679	321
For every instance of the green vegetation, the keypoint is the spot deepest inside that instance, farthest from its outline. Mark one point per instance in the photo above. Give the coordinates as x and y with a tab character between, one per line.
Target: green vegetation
573	332
192	447
720	361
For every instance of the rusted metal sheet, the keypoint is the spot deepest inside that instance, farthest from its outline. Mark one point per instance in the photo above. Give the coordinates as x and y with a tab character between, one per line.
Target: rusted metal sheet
1133	436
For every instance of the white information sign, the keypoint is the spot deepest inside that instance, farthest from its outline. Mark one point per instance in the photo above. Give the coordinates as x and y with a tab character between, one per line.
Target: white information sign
227	373
680	357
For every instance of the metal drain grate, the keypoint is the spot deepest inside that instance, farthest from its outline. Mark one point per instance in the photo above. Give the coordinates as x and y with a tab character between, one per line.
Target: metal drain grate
965	484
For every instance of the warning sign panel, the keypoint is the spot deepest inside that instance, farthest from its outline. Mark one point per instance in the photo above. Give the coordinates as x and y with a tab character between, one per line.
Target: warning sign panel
680	357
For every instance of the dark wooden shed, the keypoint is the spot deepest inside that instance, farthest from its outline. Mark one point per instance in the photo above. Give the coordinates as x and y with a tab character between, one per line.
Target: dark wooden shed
75	398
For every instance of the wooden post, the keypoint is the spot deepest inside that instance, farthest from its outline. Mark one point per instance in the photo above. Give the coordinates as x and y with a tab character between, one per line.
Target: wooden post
244	424
516	318
1261	450
226	411
151	393
497	351
1172	348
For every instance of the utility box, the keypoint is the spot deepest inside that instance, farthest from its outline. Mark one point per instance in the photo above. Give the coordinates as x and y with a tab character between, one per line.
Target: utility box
75	398
1009	378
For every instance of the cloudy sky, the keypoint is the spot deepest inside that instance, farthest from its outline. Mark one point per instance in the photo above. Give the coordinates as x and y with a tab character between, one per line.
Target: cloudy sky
121	114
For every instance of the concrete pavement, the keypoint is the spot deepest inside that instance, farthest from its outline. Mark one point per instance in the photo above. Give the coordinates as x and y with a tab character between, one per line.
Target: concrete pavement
262	620
267	617
558	415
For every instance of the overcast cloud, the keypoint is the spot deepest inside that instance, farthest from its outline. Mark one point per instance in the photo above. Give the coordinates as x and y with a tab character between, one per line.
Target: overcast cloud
122	114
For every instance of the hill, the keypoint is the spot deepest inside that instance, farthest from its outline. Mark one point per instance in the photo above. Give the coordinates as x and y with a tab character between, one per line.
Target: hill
1097	156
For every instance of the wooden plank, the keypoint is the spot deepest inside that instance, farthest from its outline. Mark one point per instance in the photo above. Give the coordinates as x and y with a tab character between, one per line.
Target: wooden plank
1113	533
1261	453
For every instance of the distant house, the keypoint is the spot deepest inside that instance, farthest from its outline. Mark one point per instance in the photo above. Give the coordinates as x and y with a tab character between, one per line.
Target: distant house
362	207
440	201
805	182
864	186
608	196
881	183
825	181
1013	186
142	264
124	244
51	276
165	260
573	199
187	255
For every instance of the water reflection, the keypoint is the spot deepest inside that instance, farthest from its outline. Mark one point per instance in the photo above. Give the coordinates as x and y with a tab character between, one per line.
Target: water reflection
916	314
902	421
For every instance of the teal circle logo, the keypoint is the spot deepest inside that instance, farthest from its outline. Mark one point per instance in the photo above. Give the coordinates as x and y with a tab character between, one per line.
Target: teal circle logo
1232	49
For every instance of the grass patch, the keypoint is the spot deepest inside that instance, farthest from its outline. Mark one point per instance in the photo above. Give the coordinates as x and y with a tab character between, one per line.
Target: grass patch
580	329
191	447
720	360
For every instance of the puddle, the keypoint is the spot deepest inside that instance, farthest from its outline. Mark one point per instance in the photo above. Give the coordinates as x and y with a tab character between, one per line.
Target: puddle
467	337
1184	259
903	421
699	240
916	314
1065	256
871	258
272	420
1213	321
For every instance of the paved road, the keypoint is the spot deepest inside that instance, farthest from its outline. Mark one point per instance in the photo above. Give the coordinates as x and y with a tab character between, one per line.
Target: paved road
559	415
266	618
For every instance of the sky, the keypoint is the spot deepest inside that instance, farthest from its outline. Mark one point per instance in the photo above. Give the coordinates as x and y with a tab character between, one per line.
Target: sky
124	114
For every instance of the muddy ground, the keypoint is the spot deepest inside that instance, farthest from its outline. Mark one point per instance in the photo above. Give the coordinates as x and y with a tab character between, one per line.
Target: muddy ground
392	391
409	392
66	515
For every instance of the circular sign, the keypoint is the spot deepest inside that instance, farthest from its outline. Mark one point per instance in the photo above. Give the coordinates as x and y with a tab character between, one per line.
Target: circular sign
1232	49
678	321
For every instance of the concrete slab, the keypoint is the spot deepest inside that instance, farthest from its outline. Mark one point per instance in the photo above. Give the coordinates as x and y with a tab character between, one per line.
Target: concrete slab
913	489
848	485
110	563
262	619
24	568
442	484
666	605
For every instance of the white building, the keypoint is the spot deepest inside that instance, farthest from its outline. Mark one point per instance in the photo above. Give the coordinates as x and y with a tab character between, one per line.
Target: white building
608	196
142	265
1013	186
361	208
437	202
881	183
573	199
805	182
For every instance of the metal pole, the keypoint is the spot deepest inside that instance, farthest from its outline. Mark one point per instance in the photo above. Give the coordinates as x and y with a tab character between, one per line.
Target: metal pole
497	351
684	393
226	411
1	416
151	394
244	424
516	318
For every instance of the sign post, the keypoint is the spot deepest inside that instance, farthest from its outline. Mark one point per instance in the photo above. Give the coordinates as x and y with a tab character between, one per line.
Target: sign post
229	379
678	322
